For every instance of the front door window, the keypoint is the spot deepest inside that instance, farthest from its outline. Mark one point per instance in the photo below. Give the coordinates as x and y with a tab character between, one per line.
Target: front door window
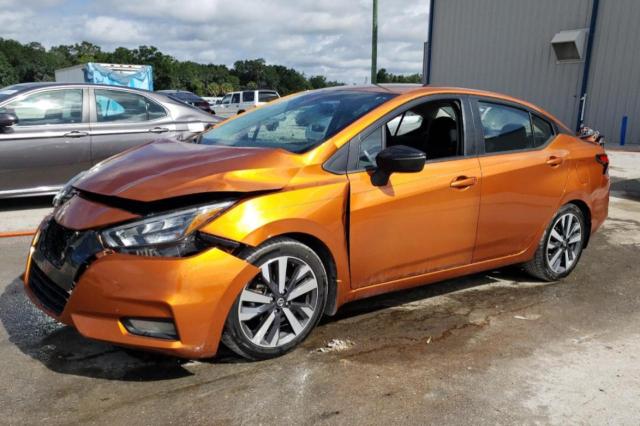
47	108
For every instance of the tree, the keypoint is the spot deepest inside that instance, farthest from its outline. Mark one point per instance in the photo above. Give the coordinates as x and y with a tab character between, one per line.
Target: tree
32	62
250	70
213	89
386	77
226	88
8	74
320	81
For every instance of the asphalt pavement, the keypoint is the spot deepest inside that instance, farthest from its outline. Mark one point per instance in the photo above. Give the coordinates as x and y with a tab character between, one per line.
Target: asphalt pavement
491	348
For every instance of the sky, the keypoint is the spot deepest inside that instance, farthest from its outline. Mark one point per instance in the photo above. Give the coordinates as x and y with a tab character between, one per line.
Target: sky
328	37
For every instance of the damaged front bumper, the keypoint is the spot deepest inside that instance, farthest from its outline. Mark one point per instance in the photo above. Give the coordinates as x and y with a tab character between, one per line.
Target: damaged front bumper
100	292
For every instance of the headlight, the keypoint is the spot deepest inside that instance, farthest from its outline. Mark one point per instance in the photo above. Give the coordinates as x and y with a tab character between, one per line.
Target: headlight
67	190
161	230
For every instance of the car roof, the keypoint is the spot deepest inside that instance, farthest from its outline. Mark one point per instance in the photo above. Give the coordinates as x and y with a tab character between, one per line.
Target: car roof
23	87
424	90
173	91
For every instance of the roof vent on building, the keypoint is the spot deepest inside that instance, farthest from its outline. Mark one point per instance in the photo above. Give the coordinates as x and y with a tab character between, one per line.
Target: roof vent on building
569	45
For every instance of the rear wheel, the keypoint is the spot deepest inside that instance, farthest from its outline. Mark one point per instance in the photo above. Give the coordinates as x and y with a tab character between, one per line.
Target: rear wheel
561	245
280	306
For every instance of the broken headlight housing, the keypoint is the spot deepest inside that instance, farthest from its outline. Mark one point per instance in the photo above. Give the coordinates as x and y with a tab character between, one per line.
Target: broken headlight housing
168	234
67	191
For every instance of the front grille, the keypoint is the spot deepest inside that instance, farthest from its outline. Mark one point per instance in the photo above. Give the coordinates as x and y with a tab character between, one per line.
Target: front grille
49	293
55	241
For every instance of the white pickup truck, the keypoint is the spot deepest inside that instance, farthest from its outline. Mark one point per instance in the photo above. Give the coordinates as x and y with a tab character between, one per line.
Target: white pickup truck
238	102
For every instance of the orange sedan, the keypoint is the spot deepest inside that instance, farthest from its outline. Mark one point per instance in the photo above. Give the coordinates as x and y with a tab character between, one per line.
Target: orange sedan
279	216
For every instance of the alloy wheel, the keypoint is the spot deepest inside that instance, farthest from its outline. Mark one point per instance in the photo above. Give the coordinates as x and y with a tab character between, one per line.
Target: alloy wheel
564	243
279	303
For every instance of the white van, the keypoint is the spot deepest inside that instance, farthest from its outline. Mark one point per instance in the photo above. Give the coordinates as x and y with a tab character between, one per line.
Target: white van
238	102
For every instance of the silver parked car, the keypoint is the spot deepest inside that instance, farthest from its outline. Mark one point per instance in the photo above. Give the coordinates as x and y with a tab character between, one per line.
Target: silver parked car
49	132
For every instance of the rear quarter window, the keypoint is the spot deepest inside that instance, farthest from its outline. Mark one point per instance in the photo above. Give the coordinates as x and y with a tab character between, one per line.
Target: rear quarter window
542	131
267	96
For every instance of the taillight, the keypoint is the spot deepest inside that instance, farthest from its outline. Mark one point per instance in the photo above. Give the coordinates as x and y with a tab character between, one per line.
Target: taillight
603	160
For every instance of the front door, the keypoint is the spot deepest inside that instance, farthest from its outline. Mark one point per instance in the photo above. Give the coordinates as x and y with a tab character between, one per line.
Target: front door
50	143
523	177
418	222
234	106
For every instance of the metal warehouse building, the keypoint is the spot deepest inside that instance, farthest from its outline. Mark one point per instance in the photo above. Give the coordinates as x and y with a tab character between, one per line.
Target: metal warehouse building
578	59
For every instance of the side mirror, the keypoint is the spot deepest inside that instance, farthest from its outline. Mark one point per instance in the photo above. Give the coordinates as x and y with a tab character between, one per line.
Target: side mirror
7	119
397	159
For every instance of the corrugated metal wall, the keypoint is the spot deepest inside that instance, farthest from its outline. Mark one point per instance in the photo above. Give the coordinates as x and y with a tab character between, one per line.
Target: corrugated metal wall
505	46
614	83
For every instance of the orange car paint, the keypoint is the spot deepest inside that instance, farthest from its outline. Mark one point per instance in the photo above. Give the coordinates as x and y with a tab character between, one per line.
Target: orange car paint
419	228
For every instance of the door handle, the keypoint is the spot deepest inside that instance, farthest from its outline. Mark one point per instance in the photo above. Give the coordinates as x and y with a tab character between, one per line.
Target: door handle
554	161
159	130
76	134
462	182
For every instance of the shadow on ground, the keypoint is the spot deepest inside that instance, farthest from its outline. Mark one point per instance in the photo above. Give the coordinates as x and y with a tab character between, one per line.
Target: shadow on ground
626	188
26	203
62	349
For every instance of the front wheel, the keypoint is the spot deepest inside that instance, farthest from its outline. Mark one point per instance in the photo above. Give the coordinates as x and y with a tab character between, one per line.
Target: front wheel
561	245
280	306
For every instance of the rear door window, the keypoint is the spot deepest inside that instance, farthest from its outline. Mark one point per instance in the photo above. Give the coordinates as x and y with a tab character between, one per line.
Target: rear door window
120	106
248	96
47	108
505	128
236	98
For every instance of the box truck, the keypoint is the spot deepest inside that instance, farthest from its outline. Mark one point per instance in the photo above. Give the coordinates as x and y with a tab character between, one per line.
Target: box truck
138	76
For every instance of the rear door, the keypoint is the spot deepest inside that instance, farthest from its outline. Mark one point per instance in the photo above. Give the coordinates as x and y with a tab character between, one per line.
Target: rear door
123	119
418	222
49	144
523	177
248	100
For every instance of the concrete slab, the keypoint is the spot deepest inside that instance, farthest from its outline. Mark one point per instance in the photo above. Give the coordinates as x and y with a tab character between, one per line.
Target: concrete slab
492	348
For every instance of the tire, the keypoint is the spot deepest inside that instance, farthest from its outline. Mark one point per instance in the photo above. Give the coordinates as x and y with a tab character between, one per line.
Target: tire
240	112
561	245
266	322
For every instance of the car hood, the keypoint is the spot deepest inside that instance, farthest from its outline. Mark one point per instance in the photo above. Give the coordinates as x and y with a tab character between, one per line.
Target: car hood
165	169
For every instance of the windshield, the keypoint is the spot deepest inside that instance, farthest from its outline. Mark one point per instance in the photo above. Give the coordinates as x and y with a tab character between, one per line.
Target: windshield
298	123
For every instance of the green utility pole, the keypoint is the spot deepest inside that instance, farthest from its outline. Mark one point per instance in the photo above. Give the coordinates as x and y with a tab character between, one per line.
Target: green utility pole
374	44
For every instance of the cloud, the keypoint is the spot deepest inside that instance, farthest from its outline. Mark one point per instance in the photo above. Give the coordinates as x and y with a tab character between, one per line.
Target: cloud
330	37
106	29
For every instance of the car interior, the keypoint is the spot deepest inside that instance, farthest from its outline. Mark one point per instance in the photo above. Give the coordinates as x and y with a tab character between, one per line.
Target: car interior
48	108
505	128
113	106
433	128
